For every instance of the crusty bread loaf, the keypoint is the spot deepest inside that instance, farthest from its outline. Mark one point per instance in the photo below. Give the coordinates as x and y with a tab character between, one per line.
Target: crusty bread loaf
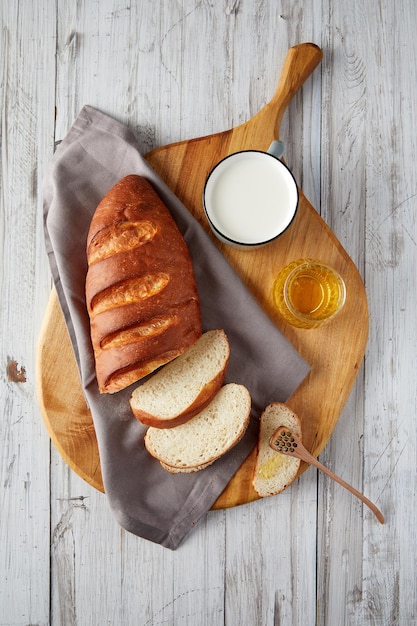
275	471
207	436
185	386
140	288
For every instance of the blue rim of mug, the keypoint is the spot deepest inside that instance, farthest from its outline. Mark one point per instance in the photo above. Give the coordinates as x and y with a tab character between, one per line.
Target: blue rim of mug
237	242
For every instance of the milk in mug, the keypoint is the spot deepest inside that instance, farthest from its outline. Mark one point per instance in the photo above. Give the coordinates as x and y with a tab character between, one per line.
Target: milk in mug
250	197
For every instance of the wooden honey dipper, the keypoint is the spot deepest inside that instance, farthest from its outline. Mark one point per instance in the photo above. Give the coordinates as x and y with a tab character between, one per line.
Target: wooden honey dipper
284	441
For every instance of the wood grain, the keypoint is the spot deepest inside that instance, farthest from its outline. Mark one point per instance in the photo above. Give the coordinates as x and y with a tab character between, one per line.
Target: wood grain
25	143
334	351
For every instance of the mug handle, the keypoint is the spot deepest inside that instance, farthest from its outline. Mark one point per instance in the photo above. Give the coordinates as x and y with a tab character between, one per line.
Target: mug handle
276	149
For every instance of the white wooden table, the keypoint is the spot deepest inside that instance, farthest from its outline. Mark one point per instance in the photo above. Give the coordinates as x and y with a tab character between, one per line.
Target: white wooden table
172	71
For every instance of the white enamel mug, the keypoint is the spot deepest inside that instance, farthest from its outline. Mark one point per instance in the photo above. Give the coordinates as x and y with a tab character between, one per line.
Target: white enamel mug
250	197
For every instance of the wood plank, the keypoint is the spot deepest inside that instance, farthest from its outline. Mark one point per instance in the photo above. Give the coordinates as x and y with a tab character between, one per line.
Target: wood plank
27	48
390	438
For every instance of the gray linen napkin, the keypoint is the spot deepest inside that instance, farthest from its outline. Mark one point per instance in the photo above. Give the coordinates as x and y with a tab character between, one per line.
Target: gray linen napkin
145	499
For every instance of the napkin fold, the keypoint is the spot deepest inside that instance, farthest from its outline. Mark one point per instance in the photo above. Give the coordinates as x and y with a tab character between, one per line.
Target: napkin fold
145	499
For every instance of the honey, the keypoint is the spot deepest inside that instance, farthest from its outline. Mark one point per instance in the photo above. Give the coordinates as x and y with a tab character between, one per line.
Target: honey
269	468
308	293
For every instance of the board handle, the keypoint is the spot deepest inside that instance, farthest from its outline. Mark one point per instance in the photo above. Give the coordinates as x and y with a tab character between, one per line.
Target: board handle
299	63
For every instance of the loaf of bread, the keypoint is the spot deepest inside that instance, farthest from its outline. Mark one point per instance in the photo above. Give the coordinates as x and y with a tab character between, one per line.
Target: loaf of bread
206	437
141	292
181	389
275	471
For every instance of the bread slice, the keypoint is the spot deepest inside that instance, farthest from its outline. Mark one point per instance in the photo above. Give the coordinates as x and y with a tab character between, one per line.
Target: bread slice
275	471
185	386
187	470
209	435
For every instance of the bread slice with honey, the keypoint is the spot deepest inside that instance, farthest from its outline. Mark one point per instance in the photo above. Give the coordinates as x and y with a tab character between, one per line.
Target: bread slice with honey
275	471
196	444
185	386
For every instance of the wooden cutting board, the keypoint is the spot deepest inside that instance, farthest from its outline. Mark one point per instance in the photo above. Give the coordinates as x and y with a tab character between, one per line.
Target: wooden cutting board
334	351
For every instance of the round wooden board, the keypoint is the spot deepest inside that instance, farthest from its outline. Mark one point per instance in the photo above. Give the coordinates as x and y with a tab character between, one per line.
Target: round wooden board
334	351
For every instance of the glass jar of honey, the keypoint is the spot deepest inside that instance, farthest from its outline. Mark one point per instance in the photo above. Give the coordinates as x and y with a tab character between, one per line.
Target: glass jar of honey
308	293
